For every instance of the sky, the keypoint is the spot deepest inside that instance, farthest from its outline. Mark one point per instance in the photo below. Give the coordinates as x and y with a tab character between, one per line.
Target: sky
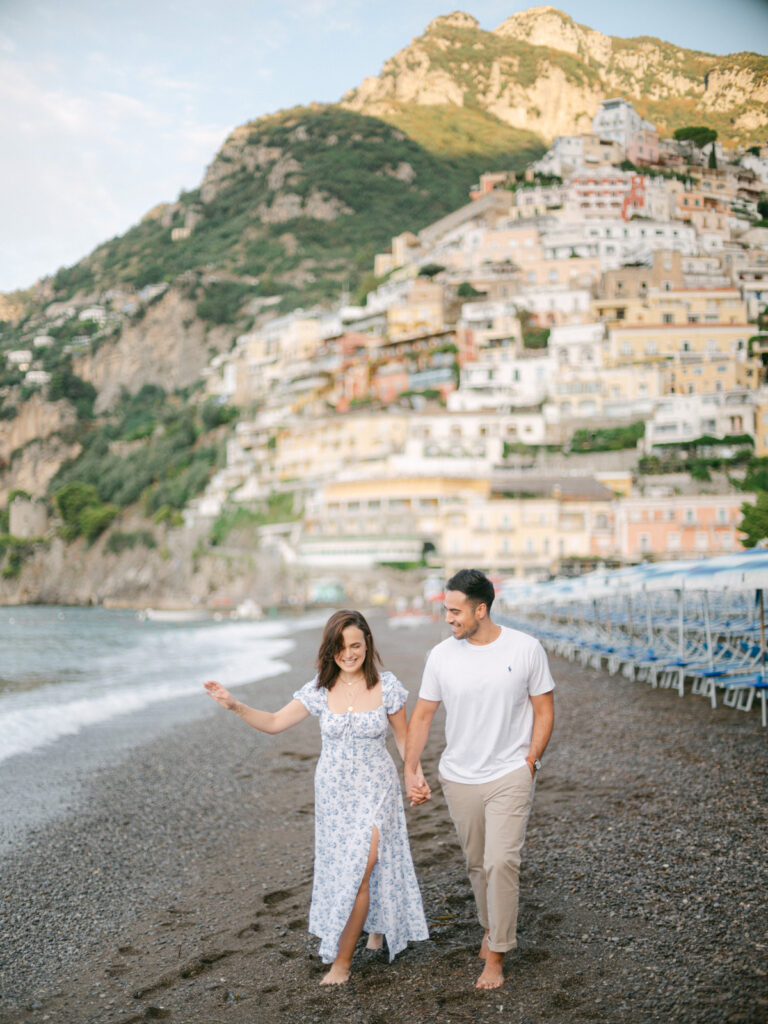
108	108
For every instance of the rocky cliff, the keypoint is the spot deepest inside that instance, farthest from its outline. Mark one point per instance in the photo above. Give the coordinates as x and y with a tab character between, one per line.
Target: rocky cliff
173	574
170	344
540	71
33	446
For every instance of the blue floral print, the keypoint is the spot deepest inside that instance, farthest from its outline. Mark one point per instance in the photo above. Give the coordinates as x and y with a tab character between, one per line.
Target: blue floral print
357	787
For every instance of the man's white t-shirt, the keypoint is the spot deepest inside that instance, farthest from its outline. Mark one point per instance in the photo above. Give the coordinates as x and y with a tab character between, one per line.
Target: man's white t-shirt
486	690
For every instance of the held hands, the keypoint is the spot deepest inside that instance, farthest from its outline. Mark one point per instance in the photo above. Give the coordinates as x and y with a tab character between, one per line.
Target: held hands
220	695
416	787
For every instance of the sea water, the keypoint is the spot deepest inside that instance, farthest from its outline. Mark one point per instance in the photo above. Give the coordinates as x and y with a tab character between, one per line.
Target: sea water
80	686
63	670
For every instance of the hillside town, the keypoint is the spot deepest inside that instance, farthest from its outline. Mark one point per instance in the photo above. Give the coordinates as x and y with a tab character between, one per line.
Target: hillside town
429	419
534	384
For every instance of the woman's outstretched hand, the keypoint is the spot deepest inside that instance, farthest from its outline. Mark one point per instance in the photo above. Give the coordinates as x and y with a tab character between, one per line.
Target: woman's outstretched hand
220	695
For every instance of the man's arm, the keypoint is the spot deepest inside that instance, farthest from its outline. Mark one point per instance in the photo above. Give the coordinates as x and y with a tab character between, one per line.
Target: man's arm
543	721
416	787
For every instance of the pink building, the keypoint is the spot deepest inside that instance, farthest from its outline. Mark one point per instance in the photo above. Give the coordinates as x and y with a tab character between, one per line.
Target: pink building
643	147
598	194
680	526
489	182
353	384
390	381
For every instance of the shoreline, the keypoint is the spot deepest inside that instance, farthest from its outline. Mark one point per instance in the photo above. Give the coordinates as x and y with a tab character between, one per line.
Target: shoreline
180	889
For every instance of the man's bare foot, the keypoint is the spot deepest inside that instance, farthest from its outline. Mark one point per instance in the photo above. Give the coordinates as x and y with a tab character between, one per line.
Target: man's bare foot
375	941
338	975
483	954
493	972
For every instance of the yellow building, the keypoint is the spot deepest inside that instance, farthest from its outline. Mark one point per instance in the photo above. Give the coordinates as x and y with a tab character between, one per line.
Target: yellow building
704	375
761	421
605	391
406	249
660	342
599	151
315	448
715	306
531	536
420	313
463	520
521	246
385	517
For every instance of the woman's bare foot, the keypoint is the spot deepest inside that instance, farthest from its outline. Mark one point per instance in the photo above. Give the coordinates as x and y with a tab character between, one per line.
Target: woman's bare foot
375	941
493	972
338	975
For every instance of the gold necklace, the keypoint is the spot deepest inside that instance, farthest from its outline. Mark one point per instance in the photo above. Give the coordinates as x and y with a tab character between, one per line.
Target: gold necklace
351	706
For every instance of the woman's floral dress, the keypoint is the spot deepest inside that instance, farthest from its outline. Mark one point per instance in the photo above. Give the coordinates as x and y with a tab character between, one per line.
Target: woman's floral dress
357	787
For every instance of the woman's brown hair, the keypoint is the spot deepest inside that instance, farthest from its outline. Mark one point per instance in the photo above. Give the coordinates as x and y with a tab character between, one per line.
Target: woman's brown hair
333	642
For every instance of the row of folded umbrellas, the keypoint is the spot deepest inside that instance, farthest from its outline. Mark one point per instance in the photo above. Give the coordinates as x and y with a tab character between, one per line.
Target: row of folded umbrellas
668	622
740	571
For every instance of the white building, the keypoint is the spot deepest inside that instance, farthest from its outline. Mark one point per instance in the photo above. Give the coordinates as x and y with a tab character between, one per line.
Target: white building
578	345
680	418
96	313
758	164
618	120
565	155
37	378
556	305
501	380
614	241
20	358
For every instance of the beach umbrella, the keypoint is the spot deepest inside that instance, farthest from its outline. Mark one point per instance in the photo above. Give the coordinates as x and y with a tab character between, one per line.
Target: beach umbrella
743	570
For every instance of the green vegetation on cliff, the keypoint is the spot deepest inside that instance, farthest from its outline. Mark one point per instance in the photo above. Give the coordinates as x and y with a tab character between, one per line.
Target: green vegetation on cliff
154	448
471	56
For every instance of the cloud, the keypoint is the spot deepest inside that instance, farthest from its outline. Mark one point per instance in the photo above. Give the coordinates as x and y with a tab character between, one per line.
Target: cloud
196	143
86	165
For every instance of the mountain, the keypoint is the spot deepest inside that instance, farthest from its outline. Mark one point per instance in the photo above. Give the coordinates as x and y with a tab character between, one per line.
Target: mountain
296	203
540	71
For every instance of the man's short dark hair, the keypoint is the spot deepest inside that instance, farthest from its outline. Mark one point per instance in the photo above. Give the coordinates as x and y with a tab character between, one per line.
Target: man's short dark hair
475	585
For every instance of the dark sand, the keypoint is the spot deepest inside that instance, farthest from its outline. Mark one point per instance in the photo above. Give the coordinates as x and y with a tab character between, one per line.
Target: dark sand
178	889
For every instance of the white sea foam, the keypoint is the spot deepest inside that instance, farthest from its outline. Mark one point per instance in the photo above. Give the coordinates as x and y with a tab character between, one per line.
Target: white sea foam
97	668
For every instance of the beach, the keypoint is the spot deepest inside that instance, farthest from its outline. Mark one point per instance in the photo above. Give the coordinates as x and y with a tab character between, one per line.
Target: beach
177	888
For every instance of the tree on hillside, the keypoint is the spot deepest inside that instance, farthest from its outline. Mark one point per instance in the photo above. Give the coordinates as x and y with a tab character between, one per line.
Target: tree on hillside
699	135
755	521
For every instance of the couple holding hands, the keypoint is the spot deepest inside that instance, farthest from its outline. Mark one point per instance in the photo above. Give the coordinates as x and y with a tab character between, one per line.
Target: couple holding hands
496	688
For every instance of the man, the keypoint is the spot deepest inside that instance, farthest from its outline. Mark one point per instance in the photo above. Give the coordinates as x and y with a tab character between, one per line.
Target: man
496	686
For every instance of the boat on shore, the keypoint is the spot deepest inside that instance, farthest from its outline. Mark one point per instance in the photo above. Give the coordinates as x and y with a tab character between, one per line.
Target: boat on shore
174	614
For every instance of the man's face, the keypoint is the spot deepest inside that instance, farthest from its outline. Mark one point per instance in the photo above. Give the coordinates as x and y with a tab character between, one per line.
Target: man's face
461	614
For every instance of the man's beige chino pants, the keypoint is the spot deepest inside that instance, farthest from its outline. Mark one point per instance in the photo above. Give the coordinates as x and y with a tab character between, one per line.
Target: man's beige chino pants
491	818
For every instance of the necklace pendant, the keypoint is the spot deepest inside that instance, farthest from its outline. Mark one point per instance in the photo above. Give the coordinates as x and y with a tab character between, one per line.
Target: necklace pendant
350	708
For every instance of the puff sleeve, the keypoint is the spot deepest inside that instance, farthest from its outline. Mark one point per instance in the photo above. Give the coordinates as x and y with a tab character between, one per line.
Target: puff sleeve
393	693
312	698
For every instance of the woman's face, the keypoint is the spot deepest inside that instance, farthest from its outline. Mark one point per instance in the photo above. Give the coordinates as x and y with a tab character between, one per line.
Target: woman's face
351	655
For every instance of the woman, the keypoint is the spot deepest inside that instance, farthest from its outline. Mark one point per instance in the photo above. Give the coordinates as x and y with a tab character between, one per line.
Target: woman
364	877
